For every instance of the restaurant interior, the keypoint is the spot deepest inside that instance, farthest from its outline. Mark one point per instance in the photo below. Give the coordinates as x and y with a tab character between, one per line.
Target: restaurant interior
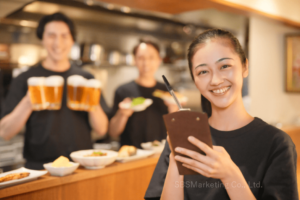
106	33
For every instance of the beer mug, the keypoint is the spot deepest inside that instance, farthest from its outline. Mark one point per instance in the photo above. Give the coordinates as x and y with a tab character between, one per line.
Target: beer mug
91	94
76	85
53	92
37	92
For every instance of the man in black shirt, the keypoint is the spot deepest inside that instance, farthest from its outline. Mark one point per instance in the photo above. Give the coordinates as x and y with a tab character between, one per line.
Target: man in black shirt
50	133
137	127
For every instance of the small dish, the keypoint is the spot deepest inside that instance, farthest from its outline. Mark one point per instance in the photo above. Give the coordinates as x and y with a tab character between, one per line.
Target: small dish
156	149
139	155
61	171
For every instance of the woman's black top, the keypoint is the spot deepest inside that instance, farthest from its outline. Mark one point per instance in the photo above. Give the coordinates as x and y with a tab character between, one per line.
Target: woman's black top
144	126
265	155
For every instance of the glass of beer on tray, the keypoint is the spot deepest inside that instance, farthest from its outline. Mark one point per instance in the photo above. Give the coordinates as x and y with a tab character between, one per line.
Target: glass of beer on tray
91	94
75	87
37	92
53	91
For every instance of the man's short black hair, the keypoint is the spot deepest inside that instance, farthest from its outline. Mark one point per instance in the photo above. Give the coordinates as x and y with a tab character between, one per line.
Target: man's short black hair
148	42
55	17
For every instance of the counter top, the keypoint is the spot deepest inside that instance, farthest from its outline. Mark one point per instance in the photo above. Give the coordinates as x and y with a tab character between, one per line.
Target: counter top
81	175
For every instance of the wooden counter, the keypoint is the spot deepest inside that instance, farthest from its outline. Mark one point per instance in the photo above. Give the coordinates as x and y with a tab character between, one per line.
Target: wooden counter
116	181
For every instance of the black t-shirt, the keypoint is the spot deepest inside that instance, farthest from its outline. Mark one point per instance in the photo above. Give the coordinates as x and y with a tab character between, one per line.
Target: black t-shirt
51	133
265	155
144	126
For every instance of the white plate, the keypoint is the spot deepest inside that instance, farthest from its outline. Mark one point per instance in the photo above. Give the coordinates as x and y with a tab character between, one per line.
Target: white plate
156	149
139	155
137	108
34	174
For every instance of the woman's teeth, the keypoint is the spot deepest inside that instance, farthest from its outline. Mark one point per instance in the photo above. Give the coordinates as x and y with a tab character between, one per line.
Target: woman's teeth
221	91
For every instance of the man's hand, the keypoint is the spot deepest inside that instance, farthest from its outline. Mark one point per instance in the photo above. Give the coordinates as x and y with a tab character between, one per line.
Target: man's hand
122	108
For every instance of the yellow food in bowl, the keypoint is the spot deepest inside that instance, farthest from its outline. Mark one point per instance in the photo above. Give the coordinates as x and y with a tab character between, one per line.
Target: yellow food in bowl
96	154
61	162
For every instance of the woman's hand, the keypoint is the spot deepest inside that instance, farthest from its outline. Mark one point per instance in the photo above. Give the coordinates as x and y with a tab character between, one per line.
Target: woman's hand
215	164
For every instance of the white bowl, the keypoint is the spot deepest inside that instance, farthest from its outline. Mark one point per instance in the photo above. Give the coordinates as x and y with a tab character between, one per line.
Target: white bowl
94	162
61	171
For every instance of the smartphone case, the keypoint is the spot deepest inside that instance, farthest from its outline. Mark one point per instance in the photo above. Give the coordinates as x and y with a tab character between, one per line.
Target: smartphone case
182	124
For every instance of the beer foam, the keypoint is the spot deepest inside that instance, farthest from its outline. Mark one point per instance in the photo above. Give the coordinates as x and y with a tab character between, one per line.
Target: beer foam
54	81
33	81
94	83
76	80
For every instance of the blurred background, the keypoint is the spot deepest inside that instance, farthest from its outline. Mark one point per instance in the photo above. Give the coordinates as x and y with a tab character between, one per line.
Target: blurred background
108	30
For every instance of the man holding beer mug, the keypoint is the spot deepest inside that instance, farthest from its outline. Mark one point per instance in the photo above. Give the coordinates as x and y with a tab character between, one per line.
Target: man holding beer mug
52	128
135	128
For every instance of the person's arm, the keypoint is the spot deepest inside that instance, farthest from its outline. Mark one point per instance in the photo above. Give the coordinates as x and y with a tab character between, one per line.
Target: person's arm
12	123
173	187
216	164
119	120
98	120
280	179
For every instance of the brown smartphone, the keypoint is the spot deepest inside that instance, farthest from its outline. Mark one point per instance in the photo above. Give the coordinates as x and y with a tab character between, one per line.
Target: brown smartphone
182	124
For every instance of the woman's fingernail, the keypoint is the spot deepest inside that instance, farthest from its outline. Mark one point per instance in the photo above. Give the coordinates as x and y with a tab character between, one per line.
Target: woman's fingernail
191	138
177	149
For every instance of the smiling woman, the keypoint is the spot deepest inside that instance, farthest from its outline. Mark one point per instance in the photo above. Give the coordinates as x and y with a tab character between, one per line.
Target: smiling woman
249	159
225	40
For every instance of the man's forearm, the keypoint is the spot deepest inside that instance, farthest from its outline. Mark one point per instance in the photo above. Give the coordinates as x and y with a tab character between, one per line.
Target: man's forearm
12	123
98	120
117	124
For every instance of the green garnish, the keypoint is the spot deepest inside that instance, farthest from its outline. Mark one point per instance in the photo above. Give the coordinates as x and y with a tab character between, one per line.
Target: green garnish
137	101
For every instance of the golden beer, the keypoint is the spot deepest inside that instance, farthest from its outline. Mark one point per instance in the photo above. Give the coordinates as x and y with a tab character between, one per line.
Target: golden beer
54	91
91	95
75	87
37	93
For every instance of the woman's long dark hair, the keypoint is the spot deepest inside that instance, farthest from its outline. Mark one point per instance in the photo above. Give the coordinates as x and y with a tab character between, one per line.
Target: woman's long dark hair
202	38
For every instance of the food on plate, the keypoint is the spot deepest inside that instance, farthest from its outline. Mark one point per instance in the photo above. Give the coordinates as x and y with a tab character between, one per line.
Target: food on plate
137	101
156	143
14	176
62	162
136	104
96	154
167	96
127	151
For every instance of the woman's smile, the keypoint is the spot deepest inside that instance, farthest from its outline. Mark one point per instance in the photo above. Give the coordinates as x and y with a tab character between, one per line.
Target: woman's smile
220	91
